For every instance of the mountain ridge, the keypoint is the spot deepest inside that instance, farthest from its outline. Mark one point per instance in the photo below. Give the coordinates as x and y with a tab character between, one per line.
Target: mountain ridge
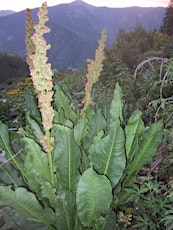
75	29
4	13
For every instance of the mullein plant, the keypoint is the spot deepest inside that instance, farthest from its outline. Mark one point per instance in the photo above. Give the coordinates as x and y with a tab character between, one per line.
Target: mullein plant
69	168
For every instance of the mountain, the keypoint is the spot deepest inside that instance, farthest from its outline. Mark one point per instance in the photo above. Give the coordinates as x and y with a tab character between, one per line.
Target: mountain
6	12
75	30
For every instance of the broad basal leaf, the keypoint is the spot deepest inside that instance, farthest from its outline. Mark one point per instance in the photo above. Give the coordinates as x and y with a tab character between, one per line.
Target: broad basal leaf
17	222
10	176
26	204
117	105
36	160
49	192
34	129
65	211
151	139
62	101
67	157
108	154
81	129
5	141
5	144
134	127
94	196
96	123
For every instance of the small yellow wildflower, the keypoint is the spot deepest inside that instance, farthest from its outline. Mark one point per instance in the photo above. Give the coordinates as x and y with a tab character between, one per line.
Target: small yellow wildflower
28	81
15	92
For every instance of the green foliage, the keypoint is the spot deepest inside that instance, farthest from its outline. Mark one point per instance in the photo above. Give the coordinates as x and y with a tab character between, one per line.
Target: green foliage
75	82
167	27
108	154
66	157
130	45
151	204
4	111
73	175
26	204
114	70
167	30
14	103
155	101
12	66
89	203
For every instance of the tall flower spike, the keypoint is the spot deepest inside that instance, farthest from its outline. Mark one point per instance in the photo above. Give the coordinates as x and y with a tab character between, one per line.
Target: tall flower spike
41	72
42	80
94	69
30	47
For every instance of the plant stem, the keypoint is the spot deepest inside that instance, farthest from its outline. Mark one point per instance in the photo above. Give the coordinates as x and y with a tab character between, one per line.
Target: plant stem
49	151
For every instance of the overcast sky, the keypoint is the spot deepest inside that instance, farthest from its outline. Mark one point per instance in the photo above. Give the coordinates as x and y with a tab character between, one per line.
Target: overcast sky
18	5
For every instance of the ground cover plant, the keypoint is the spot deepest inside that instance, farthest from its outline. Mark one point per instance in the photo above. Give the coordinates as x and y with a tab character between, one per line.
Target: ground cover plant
71	166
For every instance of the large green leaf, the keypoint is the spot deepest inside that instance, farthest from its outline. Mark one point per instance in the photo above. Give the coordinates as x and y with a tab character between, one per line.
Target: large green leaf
31	105
36	160
67	157
81	129
133	129
26	204
5	144
151	139
18	222
65	210
84	161
108	154
49	192
10	176
111	221
33	128
63	102
96	123
5	141
93	197
117	105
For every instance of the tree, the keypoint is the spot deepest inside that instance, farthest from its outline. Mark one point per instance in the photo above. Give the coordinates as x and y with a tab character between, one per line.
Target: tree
12	66
130	45
167	26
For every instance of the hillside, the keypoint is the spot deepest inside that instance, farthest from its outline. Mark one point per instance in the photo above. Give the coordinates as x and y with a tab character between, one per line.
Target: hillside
76	27
6	12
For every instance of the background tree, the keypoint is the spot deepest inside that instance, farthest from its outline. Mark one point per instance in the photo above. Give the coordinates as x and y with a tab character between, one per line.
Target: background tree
12	66
167	26
130	45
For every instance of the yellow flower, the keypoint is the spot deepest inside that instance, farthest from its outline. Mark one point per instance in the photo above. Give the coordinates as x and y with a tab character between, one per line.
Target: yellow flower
15	92
28	81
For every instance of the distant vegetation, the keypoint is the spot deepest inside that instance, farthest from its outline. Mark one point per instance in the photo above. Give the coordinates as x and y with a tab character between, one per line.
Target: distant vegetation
12	66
